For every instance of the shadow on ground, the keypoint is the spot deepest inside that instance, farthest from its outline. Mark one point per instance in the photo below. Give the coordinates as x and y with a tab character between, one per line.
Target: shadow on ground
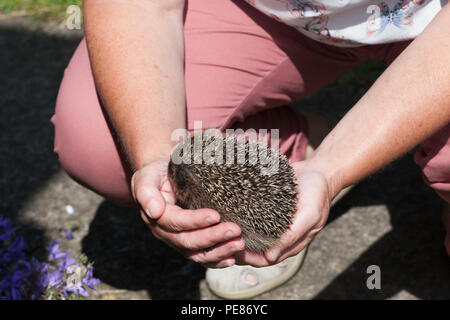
126	255
411	256
31	66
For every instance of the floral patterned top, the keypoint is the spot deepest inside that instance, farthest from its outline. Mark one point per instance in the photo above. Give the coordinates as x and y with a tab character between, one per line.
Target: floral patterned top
349	23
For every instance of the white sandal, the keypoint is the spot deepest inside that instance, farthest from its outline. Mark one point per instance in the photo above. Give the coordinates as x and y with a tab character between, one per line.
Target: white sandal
244	282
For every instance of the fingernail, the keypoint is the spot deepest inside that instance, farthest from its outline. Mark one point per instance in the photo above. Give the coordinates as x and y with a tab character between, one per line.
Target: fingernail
274	254
226	263
151	208
229	234
211	220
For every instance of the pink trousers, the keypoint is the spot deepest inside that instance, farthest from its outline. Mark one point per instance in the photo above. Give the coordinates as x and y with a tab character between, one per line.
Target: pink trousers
242	69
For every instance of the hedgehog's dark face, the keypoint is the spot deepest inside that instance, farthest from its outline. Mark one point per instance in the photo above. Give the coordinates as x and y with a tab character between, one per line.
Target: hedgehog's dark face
183	181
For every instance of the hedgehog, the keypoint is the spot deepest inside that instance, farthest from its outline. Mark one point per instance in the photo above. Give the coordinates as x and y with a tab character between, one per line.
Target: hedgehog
246	182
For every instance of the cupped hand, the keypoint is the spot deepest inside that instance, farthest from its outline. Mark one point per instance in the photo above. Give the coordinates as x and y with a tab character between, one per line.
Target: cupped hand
313	205
197	234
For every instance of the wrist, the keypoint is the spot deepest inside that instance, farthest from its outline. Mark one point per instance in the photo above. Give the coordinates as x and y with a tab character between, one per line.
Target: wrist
332	174
142	159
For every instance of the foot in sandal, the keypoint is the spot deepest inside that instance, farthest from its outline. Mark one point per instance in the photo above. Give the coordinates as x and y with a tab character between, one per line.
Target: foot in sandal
244	282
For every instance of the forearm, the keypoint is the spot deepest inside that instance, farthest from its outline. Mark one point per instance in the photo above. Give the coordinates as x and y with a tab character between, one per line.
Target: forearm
408	103
136	52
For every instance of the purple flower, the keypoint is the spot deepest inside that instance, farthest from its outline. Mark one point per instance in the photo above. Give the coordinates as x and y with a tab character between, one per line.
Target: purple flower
38	266
66	262
12	284
89	280
6	223
24	277
74	282
69	234
53	253
14	252
40	276
7	234
16	273
54	278
75	287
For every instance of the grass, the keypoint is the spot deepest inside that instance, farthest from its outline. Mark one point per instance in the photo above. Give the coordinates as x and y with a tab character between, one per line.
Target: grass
41	9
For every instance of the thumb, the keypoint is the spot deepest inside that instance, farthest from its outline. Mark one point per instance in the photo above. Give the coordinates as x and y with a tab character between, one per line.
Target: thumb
146	185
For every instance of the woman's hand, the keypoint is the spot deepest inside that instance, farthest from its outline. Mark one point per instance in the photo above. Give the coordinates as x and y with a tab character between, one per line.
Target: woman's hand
313	205
142	88
315	193
390	119
197	234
